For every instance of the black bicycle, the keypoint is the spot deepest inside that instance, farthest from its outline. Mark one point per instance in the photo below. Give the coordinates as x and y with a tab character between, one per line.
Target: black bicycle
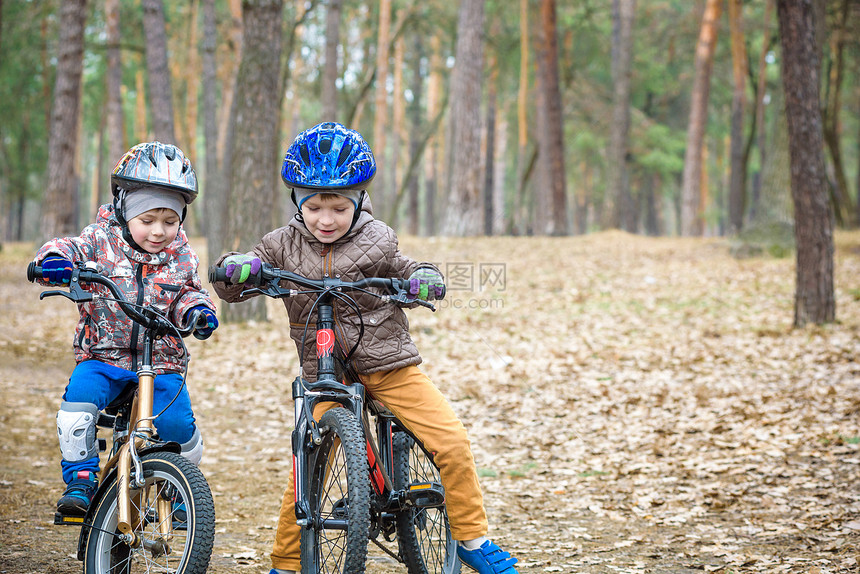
360	475
153	510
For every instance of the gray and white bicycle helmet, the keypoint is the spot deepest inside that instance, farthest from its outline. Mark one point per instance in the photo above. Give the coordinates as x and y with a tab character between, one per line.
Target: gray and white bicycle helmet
158	165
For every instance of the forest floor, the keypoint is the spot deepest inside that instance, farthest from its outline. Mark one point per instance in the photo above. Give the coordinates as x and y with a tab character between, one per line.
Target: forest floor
634	404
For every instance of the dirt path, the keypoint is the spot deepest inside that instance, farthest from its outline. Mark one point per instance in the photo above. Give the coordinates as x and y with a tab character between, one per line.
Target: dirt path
635	405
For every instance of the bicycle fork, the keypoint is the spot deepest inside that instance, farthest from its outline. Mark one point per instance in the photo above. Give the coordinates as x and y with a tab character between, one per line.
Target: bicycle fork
129	470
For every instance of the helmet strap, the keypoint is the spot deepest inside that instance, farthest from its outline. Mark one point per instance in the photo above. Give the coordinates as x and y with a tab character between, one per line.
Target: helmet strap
355	215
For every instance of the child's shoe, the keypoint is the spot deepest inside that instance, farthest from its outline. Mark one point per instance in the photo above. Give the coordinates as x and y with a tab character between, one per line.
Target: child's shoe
78	495
180	514
488	559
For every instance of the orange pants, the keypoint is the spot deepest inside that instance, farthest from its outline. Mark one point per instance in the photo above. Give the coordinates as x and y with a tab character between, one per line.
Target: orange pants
418	404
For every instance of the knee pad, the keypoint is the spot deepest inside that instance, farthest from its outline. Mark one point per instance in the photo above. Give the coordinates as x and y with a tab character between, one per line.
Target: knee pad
193	449
76	429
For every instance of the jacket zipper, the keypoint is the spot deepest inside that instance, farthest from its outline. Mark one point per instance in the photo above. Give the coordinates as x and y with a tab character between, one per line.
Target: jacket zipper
329	267
135	328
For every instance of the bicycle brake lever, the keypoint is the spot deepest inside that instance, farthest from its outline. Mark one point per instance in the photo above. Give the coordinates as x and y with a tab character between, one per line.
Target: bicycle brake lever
75	293
402	298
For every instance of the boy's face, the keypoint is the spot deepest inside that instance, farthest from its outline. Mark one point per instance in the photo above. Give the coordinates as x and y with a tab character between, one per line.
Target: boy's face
155	229
328	218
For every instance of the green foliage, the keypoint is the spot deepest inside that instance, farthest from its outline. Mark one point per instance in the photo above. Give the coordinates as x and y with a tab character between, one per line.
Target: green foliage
25	81
774	239
665	36
662	149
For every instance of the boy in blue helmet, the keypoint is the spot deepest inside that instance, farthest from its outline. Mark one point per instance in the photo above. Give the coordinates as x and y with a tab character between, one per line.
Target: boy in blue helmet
328	169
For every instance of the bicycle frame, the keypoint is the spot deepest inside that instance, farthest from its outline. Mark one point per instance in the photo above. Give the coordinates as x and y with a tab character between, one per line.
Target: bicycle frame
126	458
353	396
140	430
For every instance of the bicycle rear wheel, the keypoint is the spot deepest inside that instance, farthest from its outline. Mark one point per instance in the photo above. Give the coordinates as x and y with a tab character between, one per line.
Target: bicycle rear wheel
423	534
185	549
339	498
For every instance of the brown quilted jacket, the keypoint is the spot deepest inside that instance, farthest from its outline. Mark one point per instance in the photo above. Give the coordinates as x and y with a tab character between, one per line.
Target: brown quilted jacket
370	249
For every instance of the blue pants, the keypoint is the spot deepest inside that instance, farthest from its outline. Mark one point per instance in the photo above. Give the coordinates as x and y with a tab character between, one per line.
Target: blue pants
99	383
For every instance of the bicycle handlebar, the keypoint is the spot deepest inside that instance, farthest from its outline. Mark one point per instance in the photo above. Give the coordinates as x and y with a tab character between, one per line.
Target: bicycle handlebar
148	318
266	283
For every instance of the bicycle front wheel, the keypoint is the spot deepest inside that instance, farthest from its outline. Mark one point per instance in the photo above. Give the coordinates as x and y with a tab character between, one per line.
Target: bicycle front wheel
423	534
338	492
178	543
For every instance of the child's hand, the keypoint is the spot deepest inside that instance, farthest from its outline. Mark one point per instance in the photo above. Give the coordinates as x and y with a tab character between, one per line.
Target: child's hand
426	284
211	320
241	267
57	270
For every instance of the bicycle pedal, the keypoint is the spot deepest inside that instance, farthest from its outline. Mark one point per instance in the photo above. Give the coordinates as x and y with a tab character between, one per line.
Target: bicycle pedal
424	495
66	520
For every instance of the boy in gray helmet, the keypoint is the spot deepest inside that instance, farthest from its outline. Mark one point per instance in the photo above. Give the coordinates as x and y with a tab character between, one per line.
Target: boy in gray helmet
139	243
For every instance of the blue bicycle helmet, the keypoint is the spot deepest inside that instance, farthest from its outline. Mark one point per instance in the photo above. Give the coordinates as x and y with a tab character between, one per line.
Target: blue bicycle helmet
329	158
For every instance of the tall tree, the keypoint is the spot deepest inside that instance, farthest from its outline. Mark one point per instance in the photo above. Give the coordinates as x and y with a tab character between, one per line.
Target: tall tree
417	88
330	74
254	166
59	208
761	139
464	150
431	161
212	197
814	299
842	204
490	145
380	119
737	180
552	139
158	72
519	216
113	110
691	185
619	210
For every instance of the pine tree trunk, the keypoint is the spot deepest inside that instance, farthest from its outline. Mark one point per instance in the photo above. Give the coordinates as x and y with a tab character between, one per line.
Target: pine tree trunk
212	193
553	142
380	119
519	218
117	144
417	88
464	215
841	198
761	140
61	195
253	169
431	159
158	71
737	181
814	296
618	204
330	70
691	206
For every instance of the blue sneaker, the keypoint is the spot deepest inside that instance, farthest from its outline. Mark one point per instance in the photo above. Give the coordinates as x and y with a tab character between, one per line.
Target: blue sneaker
78	495
180	514
488	559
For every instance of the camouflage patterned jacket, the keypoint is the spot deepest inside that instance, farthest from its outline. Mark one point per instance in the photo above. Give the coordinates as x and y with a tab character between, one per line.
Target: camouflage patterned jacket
167	281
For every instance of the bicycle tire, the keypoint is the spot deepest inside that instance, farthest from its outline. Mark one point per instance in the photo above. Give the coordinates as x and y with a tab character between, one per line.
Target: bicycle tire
166	474
423	534
339	498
